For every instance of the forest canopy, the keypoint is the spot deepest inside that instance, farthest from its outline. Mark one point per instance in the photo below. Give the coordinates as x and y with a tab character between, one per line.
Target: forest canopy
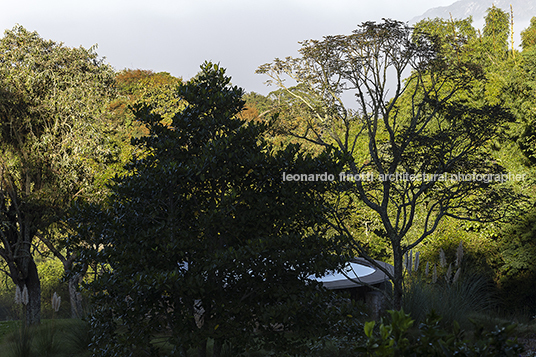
191	210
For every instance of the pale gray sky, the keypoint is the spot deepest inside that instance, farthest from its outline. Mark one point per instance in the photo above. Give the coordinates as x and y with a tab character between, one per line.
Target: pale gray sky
177	36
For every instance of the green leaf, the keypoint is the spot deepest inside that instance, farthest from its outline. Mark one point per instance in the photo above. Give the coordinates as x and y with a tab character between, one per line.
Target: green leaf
369	328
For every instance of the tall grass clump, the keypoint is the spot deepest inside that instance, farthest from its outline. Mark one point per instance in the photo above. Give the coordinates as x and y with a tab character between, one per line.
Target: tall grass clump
451	290
79	337
46	339
60	337
22	339
21	343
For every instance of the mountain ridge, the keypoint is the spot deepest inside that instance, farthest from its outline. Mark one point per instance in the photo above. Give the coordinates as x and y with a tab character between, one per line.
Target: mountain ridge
523	10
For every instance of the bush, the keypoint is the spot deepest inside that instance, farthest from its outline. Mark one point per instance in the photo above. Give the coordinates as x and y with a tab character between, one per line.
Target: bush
453	301
454	290
395	338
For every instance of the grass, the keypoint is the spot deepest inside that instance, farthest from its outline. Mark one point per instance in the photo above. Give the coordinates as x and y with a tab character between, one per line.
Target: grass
53	338
452	301
7	327
454	294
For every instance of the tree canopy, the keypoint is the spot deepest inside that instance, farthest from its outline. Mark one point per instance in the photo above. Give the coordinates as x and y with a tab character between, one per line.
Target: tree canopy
51	147
418	132
203	237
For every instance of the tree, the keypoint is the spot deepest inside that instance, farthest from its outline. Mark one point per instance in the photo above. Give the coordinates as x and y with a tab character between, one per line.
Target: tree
202	238
496	31
157	90
510	82
528	36
414	136
51	101
516	240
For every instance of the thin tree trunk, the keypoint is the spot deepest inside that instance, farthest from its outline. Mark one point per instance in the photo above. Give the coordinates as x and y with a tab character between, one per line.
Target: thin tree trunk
74	294
75	297
33	308
398	281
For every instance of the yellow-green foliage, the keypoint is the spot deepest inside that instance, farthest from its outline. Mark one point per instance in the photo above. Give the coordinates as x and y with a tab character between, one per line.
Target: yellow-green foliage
528	36
50	271
51	274
481	251
516	271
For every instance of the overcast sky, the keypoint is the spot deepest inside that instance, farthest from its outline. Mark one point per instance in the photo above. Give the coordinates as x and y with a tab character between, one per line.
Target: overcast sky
177	36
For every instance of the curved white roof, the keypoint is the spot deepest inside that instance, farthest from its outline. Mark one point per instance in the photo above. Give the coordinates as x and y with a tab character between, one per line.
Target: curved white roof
356	273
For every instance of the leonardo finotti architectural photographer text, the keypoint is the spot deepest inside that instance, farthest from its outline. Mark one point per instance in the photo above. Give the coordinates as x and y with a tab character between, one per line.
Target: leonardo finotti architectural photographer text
425	177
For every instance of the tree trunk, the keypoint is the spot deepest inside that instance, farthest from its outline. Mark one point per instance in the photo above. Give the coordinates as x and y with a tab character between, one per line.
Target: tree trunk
75	297
399	277
33	308
75	279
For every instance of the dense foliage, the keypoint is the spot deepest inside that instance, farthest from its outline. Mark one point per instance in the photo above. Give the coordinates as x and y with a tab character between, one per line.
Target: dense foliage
52	148
420	145
204	239
394	338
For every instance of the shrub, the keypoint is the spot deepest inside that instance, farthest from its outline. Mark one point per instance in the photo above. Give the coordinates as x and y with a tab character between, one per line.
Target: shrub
394	338
452	290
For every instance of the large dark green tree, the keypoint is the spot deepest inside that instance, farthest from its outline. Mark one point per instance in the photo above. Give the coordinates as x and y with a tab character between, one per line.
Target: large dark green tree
51	100
203	237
